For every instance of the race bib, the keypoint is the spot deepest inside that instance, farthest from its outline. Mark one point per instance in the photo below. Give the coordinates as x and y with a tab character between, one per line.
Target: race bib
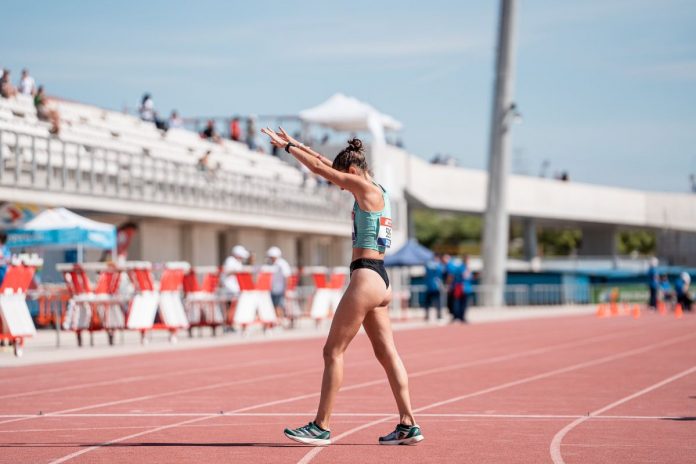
384	234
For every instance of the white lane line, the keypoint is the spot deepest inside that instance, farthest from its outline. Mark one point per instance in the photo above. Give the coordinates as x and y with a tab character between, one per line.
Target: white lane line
138	378
555	448
311	454
294	373
311	395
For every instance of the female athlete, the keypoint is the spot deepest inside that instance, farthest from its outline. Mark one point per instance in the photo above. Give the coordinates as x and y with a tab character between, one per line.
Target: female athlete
366	299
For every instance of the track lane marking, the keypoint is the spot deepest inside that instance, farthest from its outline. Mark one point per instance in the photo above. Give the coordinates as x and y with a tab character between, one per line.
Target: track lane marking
315	451
583	341
555	447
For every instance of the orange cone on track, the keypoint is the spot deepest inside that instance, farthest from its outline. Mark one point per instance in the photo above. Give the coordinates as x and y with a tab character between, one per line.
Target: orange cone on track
662	308
678	313
614	309
601	311
636	312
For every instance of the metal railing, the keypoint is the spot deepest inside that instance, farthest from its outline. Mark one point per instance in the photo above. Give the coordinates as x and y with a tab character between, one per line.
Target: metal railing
539	294
43	164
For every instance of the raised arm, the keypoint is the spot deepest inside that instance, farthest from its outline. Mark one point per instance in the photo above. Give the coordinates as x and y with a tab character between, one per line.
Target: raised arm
285	136
320	165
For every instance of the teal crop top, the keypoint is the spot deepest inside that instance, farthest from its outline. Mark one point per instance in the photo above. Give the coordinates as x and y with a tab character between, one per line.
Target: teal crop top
373	229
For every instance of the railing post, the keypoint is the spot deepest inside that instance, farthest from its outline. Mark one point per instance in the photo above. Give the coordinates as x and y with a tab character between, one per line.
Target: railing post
64	172
2	158
93	153
18	170
32	174
49	174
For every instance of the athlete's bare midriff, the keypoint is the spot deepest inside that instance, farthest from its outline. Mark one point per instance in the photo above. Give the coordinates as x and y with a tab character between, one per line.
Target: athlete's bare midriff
367	254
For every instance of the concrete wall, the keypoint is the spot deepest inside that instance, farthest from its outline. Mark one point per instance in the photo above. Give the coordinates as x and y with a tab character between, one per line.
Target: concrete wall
459	189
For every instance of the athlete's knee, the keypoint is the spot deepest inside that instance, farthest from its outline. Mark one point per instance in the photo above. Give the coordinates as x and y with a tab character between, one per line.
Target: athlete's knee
332	353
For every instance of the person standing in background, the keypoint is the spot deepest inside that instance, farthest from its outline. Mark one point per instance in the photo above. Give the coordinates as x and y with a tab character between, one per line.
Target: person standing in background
434	271
467	288
27	85
452	269
653	283
233	264
251	133
175	121
281	273
5	256
681	287
235	130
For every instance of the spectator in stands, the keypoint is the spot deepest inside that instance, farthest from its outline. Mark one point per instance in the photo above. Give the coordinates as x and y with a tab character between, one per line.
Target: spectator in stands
653	283
681	287
175	120
26	86
281	273
235	130
148	113
206	166
251	133
209	133
5	256
434	270
232	265
7	90
44	113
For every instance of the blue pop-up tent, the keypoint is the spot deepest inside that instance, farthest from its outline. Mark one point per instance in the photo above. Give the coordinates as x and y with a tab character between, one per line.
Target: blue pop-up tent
61	228
411	254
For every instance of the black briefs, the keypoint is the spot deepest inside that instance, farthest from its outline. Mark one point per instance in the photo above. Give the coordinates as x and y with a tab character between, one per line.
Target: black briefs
376	265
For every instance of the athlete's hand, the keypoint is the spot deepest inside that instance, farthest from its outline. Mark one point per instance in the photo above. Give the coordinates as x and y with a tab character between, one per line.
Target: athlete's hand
276	139
288	139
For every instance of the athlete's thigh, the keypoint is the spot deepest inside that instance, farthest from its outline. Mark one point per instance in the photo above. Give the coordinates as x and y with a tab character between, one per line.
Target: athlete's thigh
378	328
365	292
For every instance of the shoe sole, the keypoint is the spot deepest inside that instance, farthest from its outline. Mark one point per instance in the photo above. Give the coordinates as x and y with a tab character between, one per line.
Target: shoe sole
310	441
405	441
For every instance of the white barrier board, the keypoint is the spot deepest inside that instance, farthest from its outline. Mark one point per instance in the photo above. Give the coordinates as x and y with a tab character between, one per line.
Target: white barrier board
16	319
171	310
142	311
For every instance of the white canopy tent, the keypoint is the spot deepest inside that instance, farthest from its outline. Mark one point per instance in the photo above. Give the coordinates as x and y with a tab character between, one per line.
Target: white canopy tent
348	114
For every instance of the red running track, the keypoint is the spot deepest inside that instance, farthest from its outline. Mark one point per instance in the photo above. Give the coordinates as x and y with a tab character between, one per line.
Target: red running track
573	390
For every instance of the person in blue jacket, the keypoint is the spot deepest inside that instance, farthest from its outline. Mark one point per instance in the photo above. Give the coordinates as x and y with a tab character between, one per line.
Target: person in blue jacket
434	271
653	283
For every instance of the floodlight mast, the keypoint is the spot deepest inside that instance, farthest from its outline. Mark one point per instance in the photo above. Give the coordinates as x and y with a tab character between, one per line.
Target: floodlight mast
496	220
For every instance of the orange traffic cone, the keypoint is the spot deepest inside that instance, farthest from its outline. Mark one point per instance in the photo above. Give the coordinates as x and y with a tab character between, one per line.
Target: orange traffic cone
601	310
678	313
662	308
636	312
614	308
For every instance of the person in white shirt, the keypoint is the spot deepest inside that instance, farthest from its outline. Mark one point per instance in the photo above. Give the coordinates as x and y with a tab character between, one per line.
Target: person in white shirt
27	85
175	120
232	265
147	108
279	282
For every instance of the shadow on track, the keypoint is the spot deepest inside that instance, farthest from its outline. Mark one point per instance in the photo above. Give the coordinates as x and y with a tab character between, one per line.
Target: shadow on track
165	444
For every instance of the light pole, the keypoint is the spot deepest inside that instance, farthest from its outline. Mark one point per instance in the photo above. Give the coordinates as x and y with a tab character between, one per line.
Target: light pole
496	221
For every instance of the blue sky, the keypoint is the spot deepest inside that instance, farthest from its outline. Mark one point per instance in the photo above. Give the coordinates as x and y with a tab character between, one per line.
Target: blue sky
607	88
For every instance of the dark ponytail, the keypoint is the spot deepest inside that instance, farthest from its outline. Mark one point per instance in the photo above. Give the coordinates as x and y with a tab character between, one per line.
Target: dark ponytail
352	155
